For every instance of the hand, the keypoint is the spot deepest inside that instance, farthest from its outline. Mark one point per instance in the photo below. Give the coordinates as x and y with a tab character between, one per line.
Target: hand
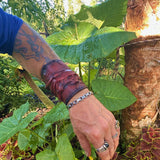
93	123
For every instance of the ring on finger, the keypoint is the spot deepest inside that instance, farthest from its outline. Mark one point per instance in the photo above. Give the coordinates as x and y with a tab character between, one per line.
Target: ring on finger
114	136
117	125
103	147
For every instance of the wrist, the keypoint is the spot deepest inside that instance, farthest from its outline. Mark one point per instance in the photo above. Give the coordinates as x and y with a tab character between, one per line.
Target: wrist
79	99
79	94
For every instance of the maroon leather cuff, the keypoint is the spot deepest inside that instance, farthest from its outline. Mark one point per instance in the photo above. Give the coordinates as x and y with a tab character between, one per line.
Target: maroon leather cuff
61	80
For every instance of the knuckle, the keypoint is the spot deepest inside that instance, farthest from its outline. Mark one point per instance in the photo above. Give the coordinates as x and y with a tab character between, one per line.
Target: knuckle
96	134
105	126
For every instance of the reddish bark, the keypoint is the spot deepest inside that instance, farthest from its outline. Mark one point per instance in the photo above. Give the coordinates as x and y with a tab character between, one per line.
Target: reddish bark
142	71
143	80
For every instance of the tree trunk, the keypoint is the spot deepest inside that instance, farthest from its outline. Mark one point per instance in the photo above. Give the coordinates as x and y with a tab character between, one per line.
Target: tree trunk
142	71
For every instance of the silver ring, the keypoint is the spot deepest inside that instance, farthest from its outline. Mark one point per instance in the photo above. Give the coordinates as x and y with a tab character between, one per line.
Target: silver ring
117	125
103	147
115	135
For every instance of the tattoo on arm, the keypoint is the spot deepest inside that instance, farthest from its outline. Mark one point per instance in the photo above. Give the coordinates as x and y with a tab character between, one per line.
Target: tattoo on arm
29	45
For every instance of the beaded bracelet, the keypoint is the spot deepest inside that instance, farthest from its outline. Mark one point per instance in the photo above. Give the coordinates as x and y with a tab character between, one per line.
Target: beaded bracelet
70	105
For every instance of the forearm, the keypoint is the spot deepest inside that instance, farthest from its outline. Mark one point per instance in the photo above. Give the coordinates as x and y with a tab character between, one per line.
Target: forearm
31	51
34	54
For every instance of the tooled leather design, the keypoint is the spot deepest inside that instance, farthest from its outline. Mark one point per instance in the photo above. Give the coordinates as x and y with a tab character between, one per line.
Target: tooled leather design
61	80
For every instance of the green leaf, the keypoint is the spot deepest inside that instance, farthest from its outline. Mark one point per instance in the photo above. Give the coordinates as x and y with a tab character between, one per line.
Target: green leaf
72	34
46	155
10	126
41	132
114	96
64	149
68	129
110	13
37	123
90	43
23	139
59	112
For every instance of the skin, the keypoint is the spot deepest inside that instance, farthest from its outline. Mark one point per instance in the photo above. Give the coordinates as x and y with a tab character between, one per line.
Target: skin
92	122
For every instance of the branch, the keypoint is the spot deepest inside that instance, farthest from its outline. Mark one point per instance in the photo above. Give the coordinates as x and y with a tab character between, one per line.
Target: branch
45	100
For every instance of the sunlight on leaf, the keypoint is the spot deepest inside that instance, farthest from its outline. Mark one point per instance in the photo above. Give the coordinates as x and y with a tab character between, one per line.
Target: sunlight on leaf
91	43
102	15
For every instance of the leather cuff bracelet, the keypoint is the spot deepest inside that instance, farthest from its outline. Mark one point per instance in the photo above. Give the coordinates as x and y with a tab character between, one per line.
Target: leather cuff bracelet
61	80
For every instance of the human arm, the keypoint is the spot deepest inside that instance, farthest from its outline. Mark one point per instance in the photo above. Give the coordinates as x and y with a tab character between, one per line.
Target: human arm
91	121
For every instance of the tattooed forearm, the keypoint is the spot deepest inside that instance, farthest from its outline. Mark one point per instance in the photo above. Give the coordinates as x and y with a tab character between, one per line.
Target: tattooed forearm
31	50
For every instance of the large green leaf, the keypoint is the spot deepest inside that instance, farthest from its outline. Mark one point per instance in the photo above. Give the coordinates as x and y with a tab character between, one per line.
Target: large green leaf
64	149
110	13
72	34
89	44
114	96
46	155
59	112
10	126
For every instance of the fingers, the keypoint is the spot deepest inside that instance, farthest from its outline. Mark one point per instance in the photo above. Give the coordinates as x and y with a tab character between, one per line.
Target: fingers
95	124
104	155
84	142
98	143
111	134
115	138
114	128
97	137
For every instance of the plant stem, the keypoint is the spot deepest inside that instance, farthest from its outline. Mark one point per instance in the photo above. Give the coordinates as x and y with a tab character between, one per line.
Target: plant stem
89	74
45	100
53	139
80	72
99	67
56	133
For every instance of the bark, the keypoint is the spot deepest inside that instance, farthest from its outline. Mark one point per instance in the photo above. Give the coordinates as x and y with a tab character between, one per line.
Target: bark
137	14
142	70
143	80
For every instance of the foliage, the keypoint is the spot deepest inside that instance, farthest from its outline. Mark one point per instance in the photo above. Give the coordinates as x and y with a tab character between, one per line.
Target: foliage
113	95
41	15
14	89
10	149
10	85
146	147
84	43
82	40
32	136
109	13
10	126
